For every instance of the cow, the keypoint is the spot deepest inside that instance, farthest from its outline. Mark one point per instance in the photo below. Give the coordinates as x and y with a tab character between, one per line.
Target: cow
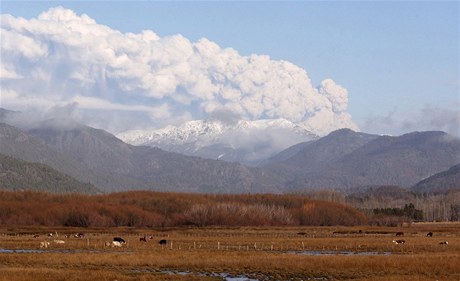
443	243
162	242
44	244
117	244
399	241
36	235
79	235
399	233
59	241
429	234
142	239
119	239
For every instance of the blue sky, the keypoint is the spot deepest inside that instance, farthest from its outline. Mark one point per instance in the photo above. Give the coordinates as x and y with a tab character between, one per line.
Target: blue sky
398	60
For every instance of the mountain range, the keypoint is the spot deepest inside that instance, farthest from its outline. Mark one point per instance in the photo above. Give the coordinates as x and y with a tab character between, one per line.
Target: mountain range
246	142
344	159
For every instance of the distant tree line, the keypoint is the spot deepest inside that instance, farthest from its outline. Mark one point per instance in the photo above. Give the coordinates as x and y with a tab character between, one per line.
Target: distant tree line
157	209
408	211
395	207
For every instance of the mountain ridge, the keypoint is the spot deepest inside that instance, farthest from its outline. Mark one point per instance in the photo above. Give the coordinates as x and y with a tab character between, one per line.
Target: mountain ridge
237	141
344	159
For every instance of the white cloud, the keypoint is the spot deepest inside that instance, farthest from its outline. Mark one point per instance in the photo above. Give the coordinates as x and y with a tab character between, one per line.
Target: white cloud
72	58
430	117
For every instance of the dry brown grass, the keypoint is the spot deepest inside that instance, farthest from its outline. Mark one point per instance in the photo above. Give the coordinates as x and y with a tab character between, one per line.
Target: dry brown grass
258	252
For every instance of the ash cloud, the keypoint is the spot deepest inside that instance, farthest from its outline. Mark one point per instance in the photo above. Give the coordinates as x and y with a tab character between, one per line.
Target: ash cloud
430	117
64	58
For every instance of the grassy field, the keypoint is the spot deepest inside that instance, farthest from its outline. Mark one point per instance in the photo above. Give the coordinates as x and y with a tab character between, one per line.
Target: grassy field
272	253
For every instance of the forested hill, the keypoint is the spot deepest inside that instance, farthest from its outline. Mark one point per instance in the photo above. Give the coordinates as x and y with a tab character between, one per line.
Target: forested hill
443	181
17	174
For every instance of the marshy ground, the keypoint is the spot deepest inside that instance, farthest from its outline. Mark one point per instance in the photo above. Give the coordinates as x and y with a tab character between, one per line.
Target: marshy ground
263	253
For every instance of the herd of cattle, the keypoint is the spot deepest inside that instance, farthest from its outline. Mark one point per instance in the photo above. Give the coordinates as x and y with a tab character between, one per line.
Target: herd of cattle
119	242
116	242
402	241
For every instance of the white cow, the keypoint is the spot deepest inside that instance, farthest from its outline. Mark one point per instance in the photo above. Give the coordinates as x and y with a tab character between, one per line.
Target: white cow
59	241
44	244
117	244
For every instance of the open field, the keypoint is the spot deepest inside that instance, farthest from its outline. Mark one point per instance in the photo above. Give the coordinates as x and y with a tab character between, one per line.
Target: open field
264	253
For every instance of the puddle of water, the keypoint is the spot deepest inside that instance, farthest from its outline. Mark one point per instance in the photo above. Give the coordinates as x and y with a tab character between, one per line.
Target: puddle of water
338	253
224	275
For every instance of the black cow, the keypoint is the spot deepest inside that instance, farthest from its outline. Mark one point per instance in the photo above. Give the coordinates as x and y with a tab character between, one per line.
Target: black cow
429	234
162	242
119	239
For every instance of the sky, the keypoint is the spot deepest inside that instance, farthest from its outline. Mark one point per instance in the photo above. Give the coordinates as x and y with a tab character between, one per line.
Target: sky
386	67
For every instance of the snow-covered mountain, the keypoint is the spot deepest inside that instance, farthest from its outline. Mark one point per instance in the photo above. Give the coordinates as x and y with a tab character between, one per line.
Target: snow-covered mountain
247	142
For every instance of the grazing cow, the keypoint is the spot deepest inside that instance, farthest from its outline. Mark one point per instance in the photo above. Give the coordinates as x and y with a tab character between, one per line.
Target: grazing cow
399	241
429	234
119	239
162	242
443	243
399	233
142	239
44	244
59	241
117	244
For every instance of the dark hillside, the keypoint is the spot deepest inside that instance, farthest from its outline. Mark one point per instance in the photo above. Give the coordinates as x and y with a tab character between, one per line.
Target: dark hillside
166	171
22	145
443	181
400	161
17	174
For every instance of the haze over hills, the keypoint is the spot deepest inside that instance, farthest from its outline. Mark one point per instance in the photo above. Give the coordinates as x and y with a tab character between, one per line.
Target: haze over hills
313	155
19	175
19	144
104	153
445	180
343	159
366	160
